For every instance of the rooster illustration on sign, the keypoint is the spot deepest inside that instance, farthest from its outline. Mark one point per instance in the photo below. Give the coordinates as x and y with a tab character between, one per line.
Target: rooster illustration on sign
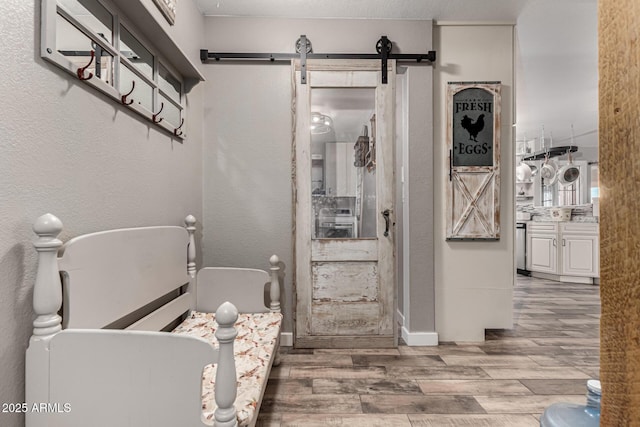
474	128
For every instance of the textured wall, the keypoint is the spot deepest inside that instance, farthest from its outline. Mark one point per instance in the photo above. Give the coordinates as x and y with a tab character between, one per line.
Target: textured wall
247	153
247	168
619	32
68	150
419	192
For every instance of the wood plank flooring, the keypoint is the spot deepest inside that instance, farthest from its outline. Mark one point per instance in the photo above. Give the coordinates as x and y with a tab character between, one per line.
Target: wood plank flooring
505	381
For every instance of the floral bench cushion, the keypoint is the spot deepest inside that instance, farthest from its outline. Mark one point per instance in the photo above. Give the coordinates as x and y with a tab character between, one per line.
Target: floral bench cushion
253	348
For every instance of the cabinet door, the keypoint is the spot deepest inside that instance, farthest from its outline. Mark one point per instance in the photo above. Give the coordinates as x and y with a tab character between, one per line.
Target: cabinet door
542	253
580	255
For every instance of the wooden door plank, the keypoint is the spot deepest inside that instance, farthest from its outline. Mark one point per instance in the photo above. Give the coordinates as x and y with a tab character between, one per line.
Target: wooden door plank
342	318
344	249
385	123
373	341
344	282
301	164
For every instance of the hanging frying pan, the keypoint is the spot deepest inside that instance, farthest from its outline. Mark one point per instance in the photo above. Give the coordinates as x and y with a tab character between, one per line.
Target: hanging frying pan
569	173
548	172
523	172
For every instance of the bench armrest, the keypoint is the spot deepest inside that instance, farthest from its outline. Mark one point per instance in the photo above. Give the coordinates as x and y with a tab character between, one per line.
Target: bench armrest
244	287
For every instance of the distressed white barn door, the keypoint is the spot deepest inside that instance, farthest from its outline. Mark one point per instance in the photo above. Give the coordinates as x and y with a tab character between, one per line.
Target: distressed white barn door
473	139
343	198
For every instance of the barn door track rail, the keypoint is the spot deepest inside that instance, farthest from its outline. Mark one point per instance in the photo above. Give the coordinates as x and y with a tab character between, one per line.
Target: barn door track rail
304	51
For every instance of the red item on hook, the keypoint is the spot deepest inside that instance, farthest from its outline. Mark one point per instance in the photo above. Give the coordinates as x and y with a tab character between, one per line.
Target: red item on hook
177	131
123	98
80	70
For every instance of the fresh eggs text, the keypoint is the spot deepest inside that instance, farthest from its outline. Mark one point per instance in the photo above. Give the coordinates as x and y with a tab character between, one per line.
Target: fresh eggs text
473	106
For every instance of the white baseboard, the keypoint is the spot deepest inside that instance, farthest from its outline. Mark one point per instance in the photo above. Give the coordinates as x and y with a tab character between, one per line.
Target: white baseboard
416	339
419	339
286	339
569	279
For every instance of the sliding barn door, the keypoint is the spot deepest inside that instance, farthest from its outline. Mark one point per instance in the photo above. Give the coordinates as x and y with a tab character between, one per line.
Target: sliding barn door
343	183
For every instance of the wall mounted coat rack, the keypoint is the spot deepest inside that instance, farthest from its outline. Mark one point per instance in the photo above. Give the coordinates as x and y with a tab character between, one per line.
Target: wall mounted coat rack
304	51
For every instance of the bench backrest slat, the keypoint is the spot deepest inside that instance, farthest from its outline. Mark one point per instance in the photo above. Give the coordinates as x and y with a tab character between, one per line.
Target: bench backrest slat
110	274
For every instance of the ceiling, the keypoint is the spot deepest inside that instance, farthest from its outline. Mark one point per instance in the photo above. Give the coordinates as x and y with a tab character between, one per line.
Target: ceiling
368	9
556	50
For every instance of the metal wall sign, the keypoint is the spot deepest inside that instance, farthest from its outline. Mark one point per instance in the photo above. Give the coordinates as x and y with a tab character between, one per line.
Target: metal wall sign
473	139
473	112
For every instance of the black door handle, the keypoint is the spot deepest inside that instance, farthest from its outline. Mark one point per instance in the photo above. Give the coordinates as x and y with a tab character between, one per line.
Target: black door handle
385	214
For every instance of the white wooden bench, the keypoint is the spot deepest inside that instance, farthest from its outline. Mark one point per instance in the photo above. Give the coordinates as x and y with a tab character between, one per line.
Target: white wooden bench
102	352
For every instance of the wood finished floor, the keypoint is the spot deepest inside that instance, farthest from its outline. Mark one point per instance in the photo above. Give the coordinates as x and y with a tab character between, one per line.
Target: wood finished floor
506	381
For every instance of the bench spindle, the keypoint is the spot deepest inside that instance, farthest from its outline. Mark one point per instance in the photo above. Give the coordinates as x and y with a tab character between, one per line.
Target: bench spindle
274	291
226	378
47	290
190	222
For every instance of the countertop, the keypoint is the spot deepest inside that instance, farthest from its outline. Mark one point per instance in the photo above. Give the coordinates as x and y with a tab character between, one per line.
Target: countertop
580	213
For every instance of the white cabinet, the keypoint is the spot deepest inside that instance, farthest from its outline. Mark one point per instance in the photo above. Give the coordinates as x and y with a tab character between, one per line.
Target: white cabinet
580	249
542	241
567	250
340	173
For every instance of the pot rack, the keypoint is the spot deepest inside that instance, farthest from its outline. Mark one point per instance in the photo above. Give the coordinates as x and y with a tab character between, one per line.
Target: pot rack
551	152
304	52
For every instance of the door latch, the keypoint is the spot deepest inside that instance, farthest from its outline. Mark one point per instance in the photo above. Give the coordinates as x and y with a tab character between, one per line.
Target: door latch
385	214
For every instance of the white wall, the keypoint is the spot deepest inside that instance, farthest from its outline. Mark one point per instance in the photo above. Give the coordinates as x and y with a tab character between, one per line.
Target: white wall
474	280
247	153
68	150
415	206
557	73
247	169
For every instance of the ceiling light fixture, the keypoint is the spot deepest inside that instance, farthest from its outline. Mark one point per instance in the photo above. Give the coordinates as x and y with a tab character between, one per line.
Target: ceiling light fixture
320	123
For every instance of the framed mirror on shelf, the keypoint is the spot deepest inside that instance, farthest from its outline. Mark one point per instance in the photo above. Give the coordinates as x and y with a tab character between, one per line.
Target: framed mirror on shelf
168	9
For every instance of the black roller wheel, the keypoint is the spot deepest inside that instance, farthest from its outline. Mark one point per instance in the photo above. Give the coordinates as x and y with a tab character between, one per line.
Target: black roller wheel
387	45
299	45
